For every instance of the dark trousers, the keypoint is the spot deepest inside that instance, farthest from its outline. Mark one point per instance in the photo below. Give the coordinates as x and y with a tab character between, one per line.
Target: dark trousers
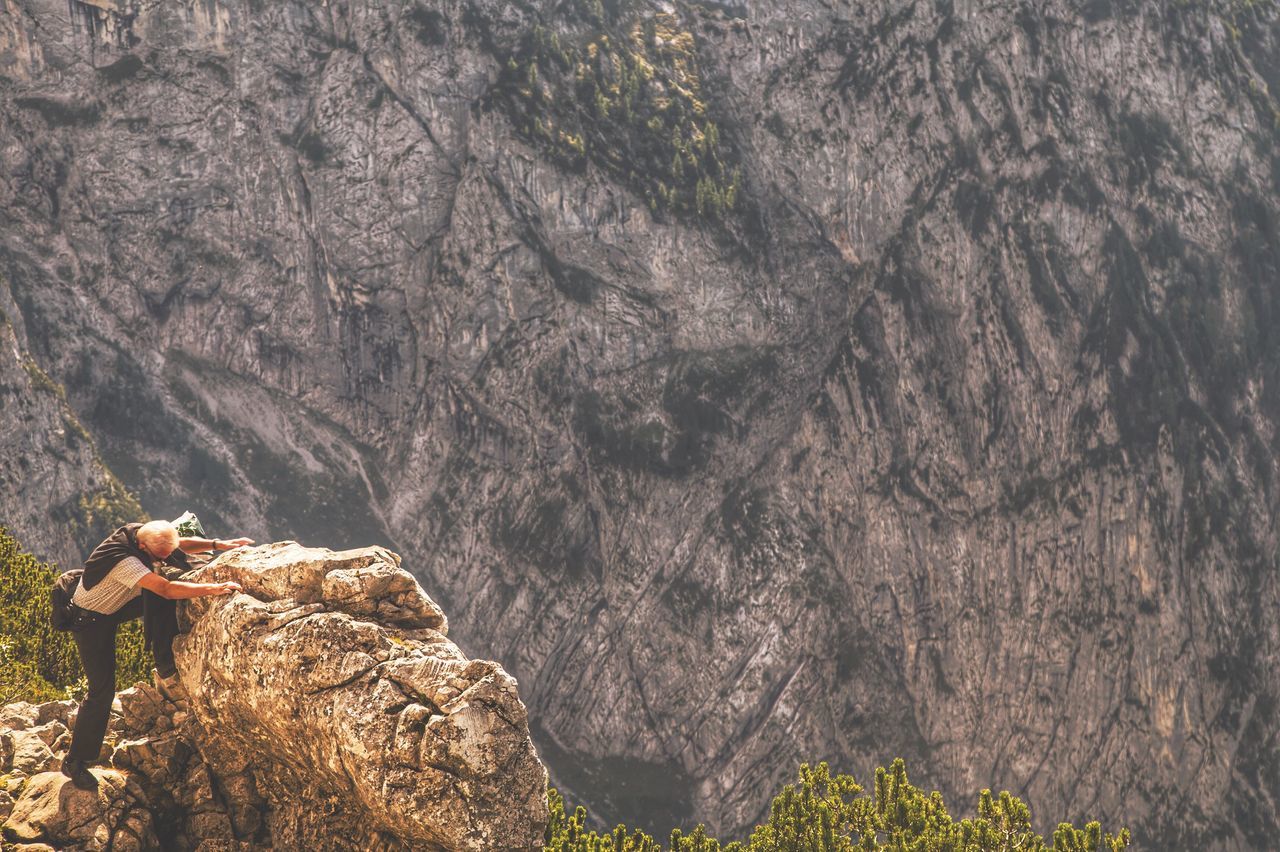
97	643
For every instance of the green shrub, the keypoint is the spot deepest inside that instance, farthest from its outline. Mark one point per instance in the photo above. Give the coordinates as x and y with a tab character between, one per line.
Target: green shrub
825	813
38	663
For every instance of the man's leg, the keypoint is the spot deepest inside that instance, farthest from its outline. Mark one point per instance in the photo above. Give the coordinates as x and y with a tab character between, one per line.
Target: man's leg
97	645
160	623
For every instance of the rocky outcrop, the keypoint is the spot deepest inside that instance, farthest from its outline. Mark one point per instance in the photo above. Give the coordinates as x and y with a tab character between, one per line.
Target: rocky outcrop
323	708
955	438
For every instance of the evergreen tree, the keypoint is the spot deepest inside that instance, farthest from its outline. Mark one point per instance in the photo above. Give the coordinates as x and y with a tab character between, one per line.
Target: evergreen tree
826	813
38	663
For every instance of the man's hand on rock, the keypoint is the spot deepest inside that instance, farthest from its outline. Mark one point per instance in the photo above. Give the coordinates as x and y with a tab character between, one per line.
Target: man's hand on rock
231	543
227	587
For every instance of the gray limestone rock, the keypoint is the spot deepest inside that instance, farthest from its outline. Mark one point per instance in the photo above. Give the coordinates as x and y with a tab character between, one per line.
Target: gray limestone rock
59	497
31	754
954	439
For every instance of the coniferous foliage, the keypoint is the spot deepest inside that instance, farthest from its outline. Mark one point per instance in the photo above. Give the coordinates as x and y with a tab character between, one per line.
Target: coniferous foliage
624	91
38	663
826	813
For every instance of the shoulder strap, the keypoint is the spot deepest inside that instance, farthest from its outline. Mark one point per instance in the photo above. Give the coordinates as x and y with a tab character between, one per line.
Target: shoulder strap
121	544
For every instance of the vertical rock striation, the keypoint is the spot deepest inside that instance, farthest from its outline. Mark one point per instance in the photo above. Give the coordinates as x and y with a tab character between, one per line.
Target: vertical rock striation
59	497
763	381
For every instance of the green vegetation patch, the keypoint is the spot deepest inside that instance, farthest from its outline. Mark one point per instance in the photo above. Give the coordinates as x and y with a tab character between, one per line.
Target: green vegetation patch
835	814
110	506
623	90
38	663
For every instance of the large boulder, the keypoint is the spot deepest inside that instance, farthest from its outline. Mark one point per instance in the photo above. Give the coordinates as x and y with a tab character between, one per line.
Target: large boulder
52	810
333	668
321	708
31	754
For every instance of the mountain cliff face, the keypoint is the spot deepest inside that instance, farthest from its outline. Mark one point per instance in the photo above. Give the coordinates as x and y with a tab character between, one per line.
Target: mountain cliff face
765	381
58	492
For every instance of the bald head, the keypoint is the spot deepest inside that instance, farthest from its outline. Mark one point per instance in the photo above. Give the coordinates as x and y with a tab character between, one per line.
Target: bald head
159	538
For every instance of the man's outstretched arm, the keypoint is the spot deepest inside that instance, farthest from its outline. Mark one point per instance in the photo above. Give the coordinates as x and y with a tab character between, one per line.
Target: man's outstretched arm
193	544
179	589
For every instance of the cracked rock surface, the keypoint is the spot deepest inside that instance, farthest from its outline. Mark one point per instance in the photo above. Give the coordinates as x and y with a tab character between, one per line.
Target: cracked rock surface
325	719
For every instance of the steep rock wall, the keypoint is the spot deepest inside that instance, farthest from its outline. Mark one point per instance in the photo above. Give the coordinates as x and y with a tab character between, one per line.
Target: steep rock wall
59	496
953	438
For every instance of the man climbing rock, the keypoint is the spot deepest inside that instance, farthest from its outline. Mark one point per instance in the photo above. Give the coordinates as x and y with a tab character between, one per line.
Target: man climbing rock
122	581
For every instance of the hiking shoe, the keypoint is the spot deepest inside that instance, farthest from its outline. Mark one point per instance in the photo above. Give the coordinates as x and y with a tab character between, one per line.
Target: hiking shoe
78	772
170	687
